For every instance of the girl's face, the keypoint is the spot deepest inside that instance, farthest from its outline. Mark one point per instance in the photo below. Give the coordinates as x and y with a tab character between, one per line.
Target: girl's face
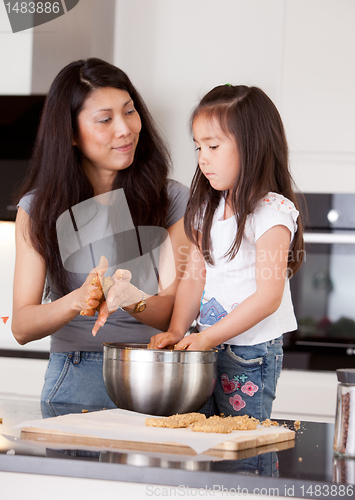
218	156
108	132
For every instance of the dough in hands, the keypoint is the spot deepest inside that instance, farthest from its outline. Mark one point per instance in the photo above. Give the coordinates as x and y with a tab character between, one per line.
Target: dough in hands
103	284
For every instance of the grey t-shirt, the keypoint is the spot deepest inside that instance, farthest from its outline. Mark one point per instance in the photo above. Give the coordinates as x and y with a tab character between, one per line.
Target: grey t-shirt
120	326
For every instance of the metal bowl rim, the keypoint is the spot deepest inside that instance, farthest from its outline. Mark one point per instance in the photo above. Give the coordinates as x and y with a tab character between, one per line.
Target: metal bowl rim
131	347
123	353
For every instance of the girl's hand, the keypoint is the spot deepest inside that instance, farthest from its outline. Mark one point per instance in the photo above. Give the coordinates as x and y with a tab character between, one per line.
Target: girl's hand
194	342
166	339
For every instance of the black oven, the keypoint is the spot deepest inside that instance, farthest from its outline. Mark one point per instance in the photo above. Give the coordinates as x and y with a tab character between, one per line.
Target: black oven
323	290
19	119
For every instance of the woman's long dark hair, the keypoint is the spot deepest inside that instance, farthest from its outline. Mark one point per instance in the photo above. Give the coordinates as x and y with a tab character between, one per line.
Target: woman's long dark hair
250	117
57	178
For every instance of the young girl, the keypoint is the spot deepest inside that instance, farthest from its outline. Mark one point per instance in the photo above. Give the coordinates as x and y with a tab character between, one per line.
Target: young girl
241	220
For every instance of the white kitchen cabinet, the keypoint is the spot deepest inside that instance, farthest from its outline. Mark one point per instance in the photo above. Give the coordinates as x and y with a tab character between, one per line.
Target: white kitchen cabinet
21	378
306	395
317	99
16	485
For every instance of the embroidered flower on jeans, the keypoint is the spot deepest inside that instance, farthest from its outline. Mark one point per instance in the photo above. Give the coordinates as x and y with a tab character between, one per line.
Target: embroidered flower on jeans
250	388
237	402
242	377
229	385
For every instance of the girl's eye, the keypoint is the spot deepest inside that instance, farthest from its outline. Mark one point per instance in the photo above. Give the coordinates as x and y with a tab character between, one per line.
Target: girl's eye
105	120
213	147
197	149
131	111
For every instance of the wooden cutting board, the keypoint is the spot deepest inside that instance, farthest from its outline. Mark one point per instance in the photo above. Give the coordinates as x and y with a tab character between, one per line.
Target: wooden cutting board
235	442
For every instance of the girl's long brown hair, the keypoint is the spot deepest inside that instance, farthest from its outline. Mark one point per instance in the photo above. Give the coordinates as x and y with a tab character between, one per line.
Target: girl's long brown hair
56	176
250	117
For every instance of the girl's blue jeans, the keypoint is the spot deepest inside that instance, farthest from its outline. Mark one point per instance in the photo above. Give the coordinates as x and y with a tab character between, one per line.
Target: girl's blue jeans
76	378
246	380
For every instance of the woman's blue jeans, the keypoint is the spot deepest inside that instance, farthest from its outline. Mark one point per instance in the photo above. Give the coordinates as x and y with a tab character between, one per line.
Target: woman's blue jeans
76	378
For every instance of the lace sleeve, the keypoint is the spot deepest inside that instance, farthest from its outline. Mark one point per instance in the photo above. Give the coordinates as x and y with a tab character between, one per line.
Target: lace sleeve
274	209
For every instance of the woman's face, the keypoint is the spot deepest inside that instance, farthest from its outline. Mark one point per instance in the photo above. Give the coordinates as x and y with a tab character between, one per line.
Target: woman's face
108	133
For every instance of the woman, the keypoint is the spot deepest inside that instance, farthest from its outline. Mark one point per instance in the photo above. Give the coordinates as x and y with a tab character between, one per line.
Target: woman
96	136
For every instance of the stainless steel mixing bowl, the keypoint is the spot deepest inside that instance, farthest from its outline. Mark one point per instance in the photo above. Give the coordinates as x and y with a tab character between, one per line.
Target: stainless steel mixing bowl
158	382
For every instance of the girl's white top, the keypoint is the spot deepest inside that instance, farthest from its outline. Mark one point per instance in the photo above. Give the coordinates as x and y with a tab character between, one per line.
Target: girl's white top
229	283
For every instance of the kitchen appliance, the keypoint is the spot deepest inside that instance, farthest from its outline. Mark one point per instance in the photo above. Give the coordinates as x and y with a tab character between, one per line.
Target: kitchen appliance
158	381
323	290
19	120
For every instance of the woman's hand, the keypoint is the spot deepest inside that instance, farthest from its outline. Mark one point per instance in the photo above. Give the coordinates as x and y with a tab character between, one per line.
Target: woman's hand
166	339
121	294
195	342
90	293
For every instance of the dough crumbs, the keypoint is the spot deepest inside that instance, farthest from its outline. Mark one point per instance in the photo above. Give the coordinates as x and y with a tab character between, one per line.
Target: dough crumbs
210	426
269	423
157	422
214	423
198	422
0	421
185	419
177	421
84	411
296	425
242	423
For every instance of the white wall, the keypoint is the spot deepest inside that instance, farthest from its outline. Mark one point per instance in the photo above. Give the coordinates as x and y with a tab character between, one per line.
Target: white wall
301	52
85	31
15	57
179	50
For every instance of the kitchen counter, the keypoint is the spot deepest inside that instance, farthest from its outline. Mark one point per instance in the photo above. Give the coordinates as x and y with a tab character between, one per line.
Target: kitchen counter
304	468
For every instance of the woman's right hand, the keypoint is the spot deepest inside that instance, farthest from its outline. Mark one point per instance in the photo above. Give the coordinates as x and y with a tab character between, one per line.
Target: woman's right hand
165	339
119	293
89	294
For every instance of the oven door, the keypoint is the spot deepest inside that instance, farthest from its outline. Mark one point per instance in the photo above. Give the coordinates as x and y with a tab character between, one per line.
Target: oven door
323	294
